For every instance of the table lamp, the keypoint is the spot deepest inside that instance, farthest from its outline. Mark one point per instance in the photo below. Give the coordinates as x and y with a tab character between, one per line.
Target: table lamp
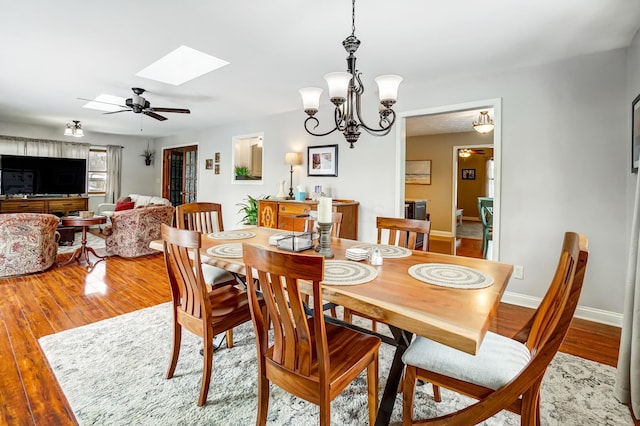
292	159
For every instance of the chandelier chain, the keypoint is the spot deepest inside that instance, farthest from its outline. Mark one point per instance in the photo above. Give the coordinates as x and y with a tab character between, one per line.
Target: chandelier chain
353	17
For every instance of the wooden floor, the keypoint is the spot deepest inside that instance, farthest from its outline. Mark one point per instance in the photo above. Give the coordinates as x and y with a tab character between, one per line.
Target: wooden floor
70	296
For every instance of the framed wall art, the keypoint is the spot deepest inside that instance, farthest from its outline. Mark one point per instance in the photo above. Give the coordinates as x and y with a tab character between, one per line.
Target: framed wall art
417	172
468	174
208	163
322	160
635	134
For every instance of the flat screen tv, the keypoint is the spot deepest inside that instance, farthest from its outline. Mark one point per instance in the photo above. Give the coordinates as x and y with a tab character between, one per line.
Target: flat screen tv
26	175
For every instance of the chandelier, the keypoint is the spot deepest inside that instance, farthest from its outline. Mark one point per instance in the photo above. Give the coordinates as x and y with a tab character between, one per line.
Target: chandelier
74	129
484	123
345	90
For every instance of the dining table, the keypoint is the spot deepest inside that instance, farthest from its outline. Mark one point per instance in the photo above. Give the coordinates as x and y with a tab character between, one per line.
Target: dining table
448	299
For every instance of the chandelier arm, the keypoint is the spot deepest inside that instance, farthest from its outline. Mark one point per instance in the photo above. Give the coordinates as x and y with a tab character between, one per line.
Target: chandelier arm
317	123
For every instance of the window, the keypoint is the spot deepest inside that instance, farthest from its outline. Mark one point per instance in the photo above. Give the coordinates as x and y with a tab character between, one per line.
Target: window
97	173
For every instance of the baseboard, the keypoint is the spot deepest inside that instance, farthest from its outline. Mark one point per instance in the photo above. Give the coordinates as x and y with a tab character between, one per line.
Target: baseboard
583	312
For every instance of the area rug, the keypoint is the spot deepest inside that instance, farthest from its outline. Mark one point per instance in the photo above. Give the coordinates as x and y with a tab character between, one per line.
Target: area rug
469	229
93	241
112	373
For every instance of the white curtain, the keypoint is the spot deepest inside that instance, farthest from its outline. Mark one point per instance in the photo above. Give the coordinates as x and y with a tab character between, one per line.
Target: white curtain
489	187
43	147
114	165
628	375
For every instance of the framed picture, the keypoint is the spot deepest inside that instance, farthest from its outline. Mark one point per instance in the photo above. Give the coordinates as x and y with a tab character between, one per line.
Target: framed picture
468	174
217	169
208	164
417	172
322	160
217	157
635	134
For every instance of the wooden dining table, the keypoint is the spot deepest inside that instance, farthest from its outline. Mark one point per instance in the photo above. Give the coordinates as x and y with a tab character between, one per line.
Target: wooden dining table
456	317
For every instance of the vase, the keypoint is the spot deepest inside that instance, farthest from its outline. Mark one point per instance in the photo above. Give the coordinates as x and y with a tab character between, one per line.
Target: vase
281	193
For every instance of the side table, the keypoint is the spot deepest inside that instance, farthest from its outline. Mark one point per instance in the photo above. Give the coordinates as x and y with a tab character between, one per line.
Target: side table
83	250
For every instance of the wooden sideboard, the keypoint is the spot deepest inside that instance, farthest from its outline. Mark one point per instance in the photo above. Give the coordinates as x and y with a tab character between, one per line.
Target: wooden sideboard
280	214
63	205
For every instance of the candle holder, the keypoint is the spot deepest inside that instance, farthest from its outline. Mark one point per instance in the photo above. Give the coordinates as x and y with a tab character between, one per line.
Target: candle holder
324	240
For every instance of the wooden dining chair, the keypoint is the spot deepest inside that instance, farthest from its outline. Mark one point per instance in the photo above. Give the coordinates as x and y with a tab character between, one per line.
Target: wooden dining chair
309	358
506	373
206	218
201	311
485	210
400	232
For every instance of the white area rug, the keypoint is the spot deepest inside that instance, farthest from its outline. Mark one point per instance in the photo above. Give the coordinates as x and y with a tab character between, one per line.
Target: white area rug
112	373
93	241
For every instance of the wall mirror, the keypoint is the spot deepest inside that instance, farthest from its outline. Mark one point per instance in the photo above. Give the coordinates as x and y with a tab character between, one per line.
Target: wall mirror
247	159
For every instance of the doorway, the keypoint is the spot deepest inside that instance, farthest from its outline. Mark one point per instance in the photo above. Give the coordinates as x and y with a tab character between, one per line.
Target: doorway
442	193
180	174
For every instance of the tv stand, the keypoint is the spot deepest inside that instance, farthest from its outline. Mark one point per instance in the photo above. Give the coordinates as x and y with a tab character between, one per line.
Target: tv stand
42	204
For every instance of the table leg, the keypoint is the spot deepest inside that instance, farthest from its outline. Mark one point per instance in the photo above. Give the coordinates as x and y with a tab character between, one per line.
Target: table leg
83	251
403	339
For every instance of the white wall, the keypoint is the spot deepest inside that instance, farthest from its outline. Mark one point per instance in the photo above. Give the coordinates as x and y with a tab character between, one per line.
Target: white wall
136	178
576	115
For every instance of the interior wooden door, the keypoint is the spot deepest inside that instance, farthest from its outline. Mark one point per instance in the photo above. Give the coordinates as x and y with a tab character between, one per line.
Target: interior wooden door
180	174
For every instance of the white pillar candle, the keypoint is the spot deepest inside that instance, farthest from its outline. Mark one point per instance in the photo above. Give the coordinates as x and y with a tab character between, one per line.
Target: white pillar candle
324	210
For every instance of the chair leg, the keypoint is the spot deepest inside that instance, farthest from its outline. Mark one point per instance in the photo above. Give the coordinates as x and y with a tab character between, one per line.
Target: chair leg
374	326
325	410
347	317
436	393
229	335
408	392
206	369
263	393
530	413
175	350
372	386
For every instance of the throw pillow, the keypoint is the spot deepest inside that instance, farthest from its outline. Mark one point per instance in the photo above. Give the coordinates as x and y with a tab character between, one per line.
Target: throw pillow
124	205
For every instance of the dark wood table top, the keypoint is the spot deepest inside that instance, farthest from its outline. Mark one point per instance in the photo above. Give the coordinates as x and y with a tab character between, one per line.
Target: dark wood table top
79	221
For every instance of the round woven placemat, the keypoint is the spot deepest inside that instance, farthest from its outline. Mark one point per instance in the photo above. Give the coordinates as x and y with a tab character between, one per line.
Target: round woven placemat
345	272
230	250
232	235
387	250
453	276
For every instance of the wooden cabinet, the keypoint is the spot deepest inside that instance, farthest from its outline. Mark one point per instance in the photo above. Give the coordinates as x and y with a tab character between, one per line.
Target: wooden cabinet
62	206
281	214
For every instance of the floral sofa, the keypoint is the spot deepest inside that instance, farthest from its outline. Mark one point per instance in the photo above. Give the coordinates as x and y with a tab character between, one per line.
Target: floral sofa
28	243
131	231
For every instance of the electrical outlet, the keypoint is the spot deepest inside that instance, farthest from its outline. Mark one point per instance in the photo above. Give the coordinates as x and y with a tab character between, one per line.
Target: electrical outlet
518	272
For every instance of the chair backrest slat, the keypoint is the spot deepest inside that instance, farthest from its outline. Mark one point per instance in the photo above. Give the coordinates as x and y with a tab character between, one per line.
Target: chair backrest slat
278	278
553	317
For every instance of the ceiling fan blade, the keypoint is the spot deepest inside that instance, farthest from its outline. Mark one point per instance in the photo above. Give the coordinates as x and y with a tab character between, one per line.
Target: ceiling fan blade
178	110
115	112
154	115
101	102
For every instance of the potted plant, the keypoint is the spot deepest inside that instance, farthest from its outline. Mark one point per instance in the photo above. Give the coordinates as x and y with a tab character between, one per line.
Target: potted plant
250	210
148	155
242	172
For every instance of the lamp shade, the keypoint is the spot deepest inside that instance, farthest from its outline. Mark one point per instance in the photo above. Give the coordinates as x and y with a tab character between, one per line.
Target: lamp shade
388	87
293	158
68	131
338	83
310	97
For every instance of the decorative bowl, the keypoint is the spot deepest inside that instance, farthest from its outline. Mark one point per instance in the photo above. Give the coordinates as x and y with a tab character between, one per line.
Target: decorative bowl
86	214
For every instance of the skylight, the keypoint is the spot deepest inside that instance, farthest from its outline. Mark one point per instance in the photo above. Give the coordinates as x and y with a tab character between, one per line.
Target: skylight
181	65
108	103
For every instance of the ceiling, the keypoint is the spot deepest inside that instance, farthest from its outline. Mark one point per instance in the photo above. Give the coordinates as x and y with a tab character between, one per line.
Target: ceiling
56	52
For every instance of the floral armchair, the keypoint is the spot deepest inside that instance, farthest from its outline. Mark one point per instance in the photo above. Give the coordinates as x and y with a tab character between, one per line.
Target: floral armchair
28	243
131	231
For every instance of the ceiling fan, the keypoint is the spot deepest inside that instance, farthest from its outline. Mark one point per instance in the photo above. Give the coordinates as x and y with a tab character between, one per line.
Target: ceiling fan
139	105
